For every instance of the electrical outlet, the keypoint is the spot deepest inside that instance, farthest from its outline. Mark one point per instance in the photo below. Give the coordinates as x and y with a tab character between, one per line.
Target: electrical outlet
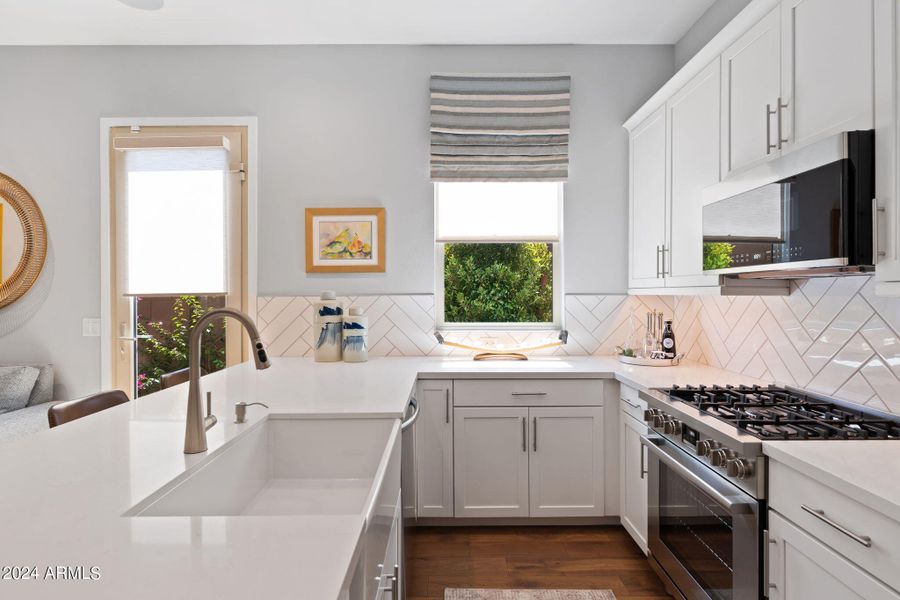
90	327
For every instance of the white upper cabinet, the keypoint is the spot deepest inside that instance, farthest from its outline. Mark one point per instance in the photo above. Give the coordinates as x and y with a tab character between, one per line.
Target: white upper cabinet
648	201
827	80
751	86
694	126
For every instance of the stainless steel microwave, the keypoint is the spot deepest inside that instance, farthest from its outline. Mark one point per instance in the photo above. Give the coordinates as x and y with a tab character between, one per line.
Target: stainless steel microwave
806	214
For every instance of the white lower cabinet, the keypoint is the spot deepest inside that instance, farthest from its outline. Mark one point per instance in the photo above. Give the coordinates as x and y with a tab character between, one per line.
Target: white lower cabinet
566	462
521	462
434	449
802	568
633	478
491	462
391	577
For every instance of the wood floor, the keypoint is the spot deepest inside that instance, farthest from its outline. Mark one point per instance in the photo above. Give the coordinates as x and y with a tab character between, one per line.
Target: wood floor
528	557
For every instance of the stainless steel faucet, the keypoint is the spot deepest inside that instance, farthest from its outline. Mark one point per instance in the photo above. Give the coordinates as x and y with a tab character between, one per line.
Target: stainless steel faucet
195	429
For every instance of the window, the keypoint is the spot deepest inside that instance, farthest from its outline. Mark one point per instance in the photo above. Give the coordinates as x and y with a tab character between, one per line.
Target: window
498	253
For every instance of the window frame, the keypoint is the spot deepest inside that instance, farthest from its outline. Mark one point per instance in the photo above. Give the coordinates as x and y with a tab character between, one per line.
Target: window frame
558	297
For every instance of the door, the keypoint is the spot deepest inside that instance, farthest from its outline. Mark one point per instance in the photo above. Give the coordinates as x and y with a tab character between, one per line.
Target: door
802	568
827	68
150	328
434	449
633	479
751	85
566	467
648	201
694	138
490	446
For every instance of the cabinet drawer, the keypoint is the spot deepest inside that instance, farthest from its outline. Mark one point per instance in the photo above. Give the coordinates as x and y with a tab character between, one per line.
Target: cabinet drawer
528	392
631	403
790	491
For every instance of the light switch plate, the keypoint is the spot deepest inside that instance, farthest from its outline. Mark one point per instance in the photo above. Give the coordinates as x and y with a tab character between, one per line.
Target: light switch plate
90	327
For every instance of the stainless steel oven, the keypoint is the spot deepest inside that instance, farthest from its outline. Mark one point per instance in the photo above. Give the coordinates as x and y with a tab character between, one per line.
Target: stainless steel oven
704	532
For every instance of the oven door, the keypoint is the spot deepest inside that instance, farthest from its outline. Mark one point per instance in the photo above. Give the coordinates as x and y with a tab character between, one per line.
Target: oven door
703	531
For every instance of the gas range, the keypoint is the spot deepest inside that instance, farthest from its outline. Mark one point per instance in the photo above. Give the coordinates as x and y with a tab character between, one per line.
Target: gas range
776	413
727	424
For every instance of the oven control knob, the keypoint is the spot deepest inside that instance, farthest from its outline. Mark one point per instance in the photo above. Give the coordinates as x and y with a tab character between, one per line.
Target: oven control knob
740	468
658	420
650	413
704	447
671	426
720	456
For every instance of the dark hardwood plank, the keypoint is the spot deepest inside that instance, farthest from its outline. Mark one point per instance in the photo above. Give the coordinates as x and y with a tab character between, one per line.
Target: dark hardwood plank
567	557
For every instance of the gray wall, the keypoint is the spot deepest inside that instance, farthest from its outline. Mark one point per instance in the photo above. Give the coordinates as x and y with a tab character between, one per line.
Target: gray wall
707	26
339	125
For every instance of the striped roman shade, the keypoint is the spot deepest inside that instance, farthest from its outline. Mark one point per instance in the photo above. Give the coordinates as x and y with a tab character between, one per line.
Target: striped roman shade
500	127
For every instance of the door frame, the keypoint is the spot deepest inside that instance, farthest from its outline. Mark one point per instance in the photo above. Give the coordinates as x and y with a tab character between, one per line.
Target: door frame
106	124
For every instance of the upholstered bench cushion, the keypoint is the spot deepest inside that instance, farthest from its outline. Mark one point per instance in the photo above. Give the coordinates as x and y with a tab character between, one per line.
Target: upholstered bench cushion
19	423
16	385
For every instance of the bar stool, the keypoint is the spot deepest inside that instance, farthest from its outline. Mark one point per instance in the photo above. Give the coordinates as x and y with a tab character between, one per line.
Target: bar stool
75	409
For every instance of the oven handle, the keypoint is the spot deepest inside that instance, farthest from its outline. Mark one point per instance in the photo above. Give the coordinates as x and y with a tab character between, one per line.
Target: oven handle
730	504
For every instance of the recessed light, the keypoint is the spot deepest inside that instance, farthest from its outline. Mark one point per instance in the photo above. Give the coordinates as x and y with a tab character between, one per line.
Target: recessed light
144	4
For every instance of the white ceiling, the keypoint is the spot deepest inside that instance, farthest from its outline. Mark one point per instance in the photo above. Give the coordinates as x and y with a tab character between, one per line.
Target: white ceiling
349	21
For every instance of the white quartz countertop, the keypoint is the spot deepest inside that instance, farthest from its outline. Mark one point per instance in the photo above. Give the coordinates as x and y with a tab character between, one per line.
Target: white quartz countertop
64	490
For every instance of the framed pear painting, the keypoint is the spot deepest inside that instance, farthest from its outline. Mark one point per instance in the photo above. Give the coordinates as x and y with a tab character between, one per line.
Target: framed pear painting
345	240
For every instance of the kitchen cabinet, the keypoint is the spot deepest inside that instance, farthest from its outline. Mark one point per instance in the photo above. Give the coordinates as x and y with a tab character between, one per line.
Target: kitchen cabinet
827	77
800	567
434	449
694	140
491	462
566	465
751	85
632	475
529	462
647	211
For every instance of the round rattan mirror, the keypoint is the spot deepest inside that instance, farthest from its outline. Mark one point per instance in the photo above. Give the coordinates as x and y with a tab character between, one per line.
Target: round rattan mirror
23	241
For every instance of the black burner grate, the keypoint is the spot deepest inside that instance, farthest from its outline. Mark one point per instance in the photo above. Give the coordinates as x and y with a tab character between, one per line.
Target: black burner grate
776	413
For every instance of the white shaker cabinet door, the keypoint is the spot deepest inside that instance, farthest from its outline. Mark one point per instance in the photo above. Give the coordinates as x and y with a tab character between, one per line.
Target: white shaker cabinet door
566	464
491	462
751	86
647	210
803	568
434	449
633	479
827	68
694	138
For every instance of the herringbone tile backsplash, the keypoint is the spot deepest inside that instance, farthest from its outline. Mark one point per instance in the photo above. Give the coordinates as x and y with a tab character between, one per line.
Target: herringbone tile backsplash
830	335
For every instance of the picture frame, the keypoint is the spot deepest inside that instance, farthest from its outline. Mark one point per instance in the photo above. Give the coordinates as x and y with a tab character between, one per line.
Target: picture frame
345	240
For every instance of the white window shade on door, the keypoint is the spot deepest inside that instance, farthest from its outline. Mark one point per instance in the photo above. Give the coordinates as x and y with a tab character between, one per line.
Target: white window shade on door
176	221
498	212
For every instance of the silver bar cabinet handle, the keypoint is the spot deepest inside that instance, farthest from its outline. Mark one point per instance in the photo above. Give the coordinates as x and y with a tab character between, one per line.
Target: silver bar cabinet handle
528	393
447	405
658	251
643	462
769	145
631	404
820	514
779	120
664	250
875	251
524	434
767	541
534	438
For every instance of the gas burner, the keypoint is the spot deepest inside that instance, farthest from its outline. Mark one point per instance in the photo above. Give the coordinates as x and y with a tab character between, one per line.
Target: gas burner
775	413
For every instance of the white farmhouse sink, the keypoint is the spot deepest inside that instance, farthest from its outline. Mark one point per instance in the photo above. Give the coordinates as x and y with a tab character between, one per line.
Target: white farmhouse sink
287	466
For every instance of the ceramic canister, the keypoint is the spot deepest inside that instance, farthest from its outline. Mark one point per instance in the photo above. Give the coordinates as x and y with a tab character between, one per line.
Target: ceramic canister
356	336
328	319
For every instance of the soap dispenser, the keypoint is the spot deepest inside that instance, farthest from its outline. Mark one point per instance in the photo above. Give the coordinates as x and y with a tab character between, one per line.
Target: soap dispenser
356	336
328	319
